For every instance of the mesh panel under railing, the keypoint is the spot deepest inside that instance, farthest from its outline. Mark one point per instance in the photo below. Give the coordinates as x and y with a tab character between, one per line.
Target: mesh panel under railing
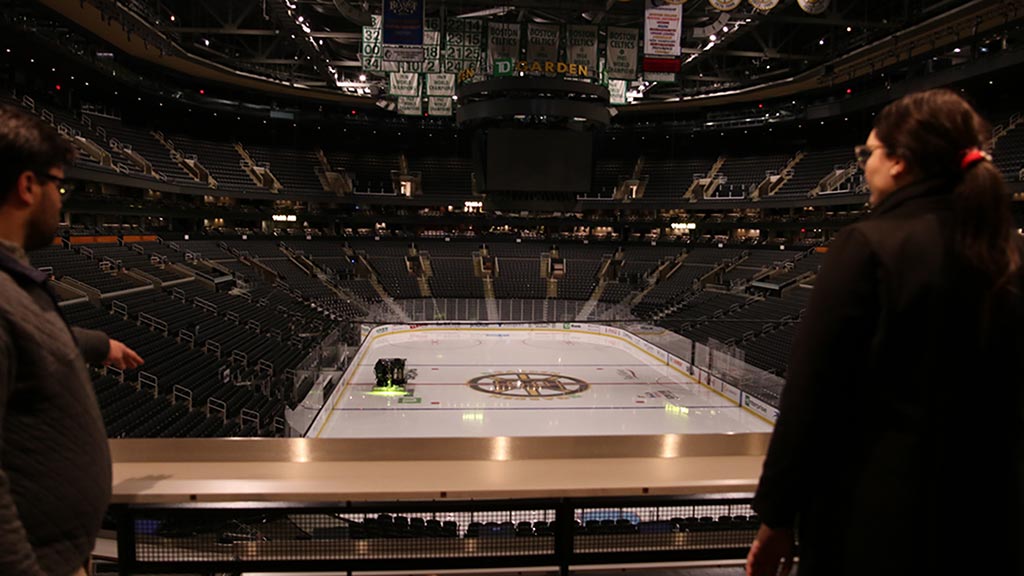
670	527
420	535
205	536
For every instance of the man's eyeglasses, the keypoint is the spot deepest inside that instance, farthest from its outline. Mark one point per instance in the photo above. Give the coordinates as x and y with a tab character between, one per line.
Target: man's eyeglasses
863	153
58	180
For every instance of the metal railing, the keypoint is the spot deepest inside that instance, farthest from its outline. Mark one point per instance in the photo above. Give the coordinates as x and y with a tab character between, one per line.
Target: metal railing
439	534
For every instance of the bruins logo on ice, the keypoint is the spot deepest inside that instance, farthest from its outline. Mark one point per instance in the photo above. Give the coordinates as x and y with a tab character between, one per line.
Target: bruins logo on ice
528	384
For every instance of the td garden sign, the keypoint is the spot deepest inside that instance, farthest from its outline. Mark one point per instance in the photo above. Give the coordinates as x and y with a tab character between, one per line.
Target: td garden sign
509	67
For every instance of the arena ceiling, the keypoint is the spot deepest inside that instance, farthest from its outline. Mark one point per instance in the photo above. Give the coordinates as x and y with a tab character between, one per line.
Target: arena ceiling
262	39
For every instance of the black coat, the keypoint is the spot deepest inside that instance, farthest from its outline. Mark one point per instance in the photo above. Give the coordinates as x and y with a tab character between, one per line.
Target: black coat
898	449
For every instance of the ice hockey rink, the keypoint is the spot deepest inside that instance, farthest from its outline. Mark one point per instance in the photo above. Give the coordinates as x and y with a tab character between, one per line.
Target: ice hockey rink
519	381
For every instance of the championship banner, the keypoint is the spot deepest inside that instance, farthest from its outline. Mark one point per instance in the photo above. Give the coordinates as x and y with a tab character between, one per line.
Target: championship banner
622	52
617	91
502	42
725	5
404	84
542	42
410	105
663	26
439	106
441	85
402	30
581	47
813	6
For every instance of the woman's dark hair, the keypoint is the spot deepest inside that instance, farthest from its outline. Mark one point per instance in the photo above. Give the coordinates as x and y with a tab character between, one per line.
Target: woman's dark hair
27	144
931	131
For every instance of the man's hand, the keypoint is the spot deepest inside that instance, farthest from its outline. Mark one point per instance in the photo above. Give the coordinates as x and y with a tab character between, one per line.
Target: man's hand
121	356
771	554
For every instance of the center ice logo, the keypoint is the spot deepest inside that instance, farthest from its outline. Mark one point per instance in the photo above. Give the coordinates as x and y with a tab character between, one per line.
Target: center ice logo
528	384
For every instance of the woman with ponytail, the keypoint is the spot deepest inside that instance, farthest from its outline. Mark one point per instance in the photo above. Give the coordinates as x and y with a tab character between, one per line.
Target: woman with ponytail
898	448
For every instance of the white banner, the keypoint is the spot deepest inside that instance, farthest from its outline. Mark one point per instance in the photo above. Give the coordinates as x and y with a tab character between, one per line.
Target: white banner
441	85
370	52
617	91
410	105
581	47
404	84
661	39
622	52
439	105
431	51
502	42
462	54
542	42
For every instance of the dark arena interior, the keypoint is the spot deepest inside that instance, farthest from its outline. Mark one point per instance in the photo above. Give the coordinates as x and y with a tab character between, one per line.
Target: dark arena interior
586	231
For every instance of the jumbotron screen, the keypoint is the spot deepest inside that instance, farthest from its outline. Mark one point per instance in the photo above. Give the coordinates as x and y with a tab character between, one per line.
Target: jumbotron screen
539	160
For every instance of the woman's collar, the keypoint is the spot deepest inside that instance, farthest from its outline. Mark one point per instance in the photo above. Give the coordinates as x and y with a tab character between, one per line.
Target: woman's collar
908	192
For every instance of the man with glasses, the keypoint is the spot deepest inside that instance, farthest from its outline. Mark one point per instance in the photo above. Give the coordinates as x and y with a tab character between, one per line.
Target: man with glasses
55	472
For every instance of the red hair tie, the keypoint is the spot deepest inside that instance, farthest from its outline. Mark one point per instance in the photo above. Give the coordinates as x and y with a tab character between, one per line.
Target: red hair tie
972	157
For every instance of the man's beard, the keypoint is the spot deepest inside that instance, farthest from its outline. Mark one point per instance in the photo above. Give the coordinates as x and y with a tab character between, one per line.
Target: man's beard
42	225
